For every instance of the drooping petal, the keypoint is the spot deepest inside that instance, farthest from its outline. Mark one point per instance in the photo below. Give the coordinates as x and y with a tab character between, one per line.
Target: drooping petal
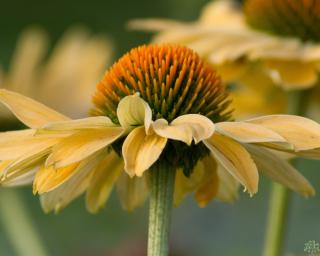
280	170
248	132
22	180
209	188
95	122
132	191
185	128
133	111
236	159
186	185
202	181
48	178
30	112
25	163
72	188
302	133
17	145
140	151
228	186
81	145
102	181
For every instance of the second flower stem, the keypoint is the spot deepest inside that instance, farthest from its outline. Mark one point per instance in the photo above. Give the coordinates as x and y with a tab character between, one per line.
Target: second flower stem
280	196
161	197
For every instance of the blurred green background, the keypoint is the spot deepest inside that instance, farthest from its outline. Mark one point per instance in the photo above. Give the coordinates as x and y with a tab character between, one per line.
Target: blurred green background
219	229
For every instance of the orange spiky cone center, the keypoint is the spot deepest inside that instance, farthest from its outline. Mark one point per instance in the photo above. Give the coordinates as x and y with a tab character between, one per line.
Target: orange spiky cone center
173	80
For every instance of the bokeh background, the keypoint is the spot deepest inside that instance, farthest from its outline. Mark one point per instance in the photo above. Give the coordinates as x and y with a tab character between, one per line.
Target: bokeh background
219	229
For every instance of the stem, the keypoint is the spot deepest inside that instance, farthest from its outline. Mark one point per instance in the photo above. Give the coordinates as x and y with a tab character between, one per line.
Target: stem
18	225
280	196
161	197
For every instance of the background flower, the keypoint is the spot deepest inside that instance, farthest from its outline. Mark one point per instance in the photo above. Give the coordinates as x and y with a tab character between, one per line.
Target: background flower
223	35
74	66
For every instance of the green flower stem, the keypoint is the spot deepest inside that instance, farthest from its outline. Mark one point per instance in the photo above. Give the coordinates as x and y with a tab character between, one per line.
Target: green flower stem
161	199
280	196
18	225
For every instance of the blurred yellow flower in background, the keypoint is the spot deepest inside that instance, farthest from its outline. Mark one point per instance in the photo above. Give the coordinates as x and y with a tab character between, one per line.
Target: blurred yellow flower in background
158	105
239	44
73	67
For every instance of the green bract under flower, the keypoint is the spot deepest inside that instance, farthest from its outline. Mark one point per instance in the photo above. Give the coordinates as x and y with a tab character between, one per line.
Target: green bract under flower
296	18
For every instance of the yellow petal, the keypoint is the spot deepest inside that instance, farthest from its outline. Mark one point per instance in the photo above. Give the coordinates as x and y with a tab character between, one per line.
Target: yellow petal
228	186
72	188
302	133
234	158
185	185
248	133
78	124
22	180
133	111
280	170
17	144
26	162
293	74
4	165
81	145
152	24
210	185
48	178
102	181
24	65
140	151
28	111
185	128
222	14
132	192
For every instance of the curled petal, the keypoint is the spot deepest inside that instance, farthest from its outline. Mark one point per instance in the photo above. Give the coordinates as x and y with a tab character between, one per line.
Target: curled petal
235	159
102	181
185	128
301	132
81	145
30	112
280	170
248	133
133	111
132	191
140	151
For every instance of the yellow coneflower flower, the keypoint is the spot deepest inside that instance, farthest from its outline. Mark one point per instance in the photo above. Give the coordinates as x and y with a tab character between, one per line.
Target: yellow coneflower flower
159	104
76	62
278	41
